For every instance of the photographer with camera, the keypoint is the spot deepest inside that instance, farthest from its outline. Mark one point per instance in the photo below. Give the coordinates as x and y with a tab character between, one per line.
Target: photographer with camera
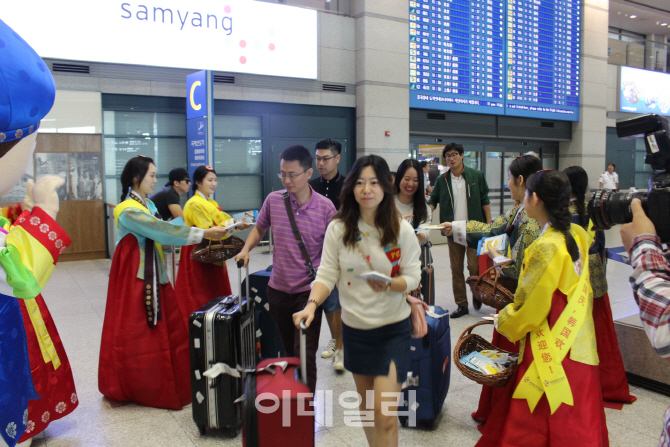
651	286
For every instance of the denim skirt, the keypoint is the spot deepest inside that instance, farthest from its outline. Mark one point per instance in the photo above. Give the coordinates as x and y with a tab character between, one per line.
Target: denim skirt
369	352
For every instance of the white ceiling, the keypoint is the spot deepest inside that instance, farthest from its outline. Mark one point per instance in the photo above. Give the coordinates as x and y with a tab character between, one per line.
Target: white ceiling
650	15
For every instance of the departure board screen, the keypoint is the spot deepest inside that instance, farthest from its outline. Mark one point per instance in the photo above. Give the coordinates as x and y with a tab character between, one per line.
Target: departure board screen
503	57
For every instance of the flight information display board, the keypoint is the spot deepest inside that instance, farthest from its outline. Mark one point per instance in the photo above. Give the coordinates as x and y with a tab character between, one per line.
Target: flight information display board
503	57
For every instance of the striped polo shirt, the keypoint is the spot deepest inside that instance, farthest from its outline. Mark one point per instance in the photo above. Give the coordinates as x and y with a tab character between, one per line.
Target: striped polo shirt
289	272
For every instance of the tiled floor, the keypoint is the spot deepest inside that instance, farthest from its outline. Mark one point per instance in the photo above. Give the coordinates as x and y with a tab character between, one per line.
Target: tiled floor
76	296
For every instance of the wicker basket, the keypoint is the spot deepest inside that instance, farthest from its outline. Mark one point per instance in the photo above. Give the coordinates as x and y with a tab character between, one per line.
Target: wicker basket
212	252
496	292
468	343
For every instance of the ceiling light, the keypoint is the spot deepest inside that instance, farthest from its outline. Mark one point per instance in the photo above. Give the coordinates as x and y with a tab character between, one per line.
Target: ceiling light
633	16
663	24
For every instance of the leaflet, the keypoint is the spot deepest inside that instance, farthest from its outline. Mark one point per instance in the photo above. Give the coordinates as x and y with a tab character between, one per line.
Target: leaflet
429	227
499	243
237	224
375	276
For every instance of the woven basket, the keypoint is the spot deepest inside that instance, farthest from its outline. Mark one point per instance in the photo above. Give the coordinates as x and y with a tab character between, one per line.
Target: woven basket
468	343
212	252
496	292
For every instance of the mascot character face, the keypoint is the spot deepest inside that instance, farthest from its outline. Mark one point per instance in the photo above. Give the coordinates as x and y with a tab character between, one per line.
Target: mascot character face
27	93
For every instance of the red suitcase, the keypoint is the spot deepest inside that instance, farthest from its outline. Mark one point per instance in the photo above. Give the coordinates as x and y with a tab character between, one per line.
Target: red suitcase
278	388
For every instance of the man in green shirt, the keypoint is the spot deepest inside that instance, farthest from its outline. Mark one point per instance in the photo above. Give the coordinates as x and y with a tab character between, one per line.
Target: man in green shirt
462	194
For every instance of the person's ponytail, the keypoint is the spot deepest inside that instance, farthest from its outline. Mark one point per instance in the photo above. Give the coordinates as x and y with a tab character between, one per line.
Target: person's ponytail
124	192
560	219
579	184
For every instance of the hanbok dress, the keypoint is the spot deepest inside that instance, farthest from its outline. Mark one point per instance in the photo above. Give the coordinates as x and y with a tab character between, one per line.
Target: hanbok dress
521	231
553	398
29	250
197	282
613	380
144	353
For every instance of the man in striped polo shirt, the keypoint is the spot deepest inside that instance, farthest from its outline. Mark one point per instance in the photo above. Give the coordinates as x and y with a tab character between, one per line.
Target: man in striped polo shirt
290	279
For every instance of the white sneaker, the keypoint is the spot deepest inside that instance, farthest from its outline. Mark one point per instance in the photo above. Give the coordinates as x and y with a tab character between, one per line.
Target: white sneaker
329	351
338	360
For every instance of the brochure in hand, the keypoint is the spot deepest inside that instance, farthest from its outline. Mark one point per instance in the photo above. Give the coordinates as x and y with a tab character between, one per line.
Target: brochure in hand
500	243
375	276
247	216
429	227
241	218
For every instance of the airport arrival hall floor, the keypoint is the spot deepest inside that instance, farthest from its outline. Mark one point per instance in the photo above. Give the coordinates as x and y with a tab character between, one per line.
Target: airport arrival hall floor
76	296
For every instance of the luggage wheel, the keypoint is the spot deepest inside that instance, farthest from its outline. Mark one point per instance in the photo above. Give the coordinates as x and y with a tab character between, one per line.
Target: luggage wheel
231	433
403	421
202	429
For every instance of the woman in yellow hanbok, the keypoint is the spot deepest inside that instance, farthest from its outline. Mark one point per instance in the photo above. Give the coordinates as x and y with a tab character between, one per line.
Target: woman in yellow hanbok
197	282
554	396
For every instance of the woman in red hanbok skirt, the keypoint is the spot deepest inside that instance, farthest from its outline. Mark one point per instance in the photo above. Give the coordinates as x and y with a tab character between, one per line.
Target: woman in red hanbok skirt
613	380
522	231
197	282
144	353
553	398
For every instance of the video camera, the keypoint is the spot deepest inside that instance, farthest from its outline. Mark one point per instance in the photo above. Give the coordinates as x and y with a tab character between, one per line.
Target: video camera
607	208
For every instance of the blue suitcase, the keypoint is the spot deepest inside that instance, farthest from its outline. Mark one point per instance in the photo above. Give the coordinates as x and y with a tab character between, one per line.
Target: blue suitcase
429	372
268	339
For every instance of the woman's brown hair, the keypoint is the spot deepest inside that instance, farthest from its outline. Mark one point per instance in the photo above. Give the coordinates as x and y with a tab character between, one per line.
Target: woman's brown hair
387	220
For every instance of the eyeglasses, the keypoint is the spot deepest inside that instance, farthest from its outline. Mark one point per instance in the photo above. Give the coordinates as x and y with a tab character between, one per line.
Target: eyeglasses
451	155
323	159
283	175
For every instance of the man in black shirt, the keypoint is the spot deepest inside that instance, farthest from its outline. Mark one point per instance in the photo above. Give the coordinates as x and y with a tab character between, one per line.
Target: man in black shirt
330	185
167	199
331	181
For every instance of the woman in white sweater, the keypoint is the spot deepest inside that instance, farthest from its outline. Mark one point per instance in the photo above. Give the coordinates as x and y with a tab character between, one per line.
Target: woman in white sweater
368	234
410	199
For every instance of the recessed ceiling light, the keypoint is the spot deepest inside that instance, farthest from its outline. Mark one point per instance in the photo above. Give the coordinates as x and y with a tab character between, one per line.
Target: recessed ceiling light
663	24
633	16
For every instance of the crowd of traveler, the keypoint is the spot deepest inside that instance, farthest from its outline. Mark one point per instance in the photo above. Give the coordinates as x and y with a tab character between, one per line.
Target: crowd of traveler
373	219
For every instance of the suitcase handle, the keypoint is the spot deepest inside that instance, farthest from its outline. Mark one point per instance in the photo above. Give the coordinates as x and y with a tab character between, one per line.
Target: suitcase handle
240	264
303	351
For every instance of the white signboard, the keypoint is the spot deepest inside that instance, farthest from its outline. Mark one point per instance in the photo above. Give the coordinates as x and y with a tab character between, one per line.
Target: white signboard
644	91
241	36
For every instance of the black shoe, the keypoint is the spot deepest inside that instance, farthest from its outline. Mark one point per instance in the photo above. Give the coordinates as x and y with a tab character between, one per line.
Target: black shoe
462	310
476	303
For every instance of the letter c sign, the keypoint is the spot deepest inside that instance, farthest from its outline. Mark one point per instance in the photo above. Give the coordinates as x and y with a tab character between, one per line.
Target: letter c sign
194	106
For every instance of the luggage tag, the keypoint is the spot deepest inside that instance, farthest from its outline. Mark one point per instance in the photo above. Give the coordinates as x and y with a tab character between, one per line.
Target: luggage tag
431	313
221	368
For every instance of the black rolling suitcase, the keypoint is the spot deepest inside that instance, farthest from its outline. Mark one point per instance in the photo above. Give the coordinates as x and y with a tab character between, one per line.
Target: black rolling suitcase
427	275
222	344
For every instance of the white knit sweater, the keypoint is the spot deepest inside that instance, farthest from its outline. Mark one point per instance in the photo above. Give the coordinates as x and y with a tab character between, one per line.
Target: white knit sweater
363	308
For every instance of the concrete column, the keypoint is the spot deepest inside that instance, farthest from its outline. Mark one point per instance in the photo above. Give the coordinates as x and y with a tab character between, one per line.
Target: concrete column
382	78
656	53
587	148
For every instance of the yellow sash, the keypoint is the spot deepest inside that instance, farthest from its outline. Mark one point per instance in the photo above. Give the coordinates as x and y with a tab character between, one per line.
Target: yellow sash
550	346
130	203
43	338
